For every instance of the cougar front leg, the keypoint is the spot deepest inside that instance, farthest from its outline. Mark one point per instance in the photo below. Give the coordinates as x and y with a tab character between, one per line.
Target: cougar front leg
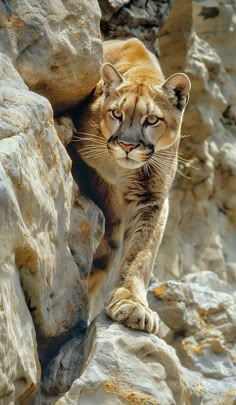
107	251
127	303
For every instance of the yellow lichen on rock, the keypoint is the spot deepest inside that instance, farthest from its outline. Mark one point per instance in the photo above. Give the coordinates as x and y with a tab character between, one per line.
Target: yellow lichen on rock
158	292
130	397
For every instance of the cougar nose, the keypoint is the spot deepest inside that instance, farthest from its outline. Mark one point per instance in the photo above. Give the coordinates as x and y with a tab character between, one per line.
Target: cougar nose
127	147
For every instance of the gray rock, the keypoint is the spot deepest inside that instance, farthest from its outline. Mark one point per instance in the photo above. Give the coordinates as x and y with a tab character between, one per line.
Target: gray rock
136	18
36	214
55	46
40	279
63	361
129	367
19	363
201	230
201	310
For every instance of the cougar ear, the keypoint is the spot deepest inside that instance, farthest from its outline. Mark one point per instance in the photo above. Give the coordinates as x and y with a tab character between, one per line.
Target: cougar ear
177	88
111	77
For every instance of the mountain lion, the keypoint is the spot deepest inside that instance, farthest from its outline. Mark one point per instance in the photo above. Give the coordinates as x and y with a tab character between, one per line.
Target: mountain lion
127	139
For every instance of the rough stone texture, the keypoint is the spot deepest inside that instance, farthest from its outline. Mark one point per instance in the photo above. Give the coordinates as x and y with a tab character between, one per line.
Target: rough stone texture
41	219
55	46
133	368
136	18
201	312
201	232
19	365
49	232
124	366
62	363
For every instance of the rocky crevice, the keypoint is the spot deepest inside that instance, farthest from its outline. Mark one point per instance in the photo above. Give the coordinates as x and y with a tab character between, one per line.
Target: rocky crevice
49	231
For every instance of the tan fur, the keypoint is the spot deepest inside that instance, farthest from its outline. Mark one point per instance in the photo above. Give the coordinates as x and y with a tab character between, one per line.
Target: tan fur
128	140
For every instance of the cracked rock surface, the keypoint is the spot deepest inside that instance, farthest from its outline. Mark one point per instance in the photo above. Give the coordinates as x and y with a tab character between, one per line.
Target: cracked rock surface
126	367
49	232
55	46
201	230
200	312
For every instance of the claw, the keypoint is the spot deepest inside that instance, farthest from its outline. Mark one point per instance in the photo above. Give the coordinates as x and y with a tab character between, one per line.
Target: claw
132	313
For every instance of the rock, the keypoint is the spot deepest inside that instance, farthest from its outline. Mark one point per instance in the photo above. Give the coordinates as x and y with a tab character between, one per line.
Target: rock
55	47
58	52
201	309
39	189
19	364
201	231
141	19
49	232
65	129
65	359
39	276
130	367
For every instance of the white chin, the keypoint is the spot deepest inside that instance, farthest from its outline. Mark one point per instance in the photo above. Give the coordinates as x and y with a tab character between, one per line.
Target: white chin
129	163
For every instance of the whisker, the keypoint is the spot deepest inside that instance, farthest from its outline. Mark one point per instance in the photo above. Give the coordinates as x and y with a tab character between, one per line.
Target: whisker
169	156
86	133
89	149
167	166
156	164
185	136
93	144
150	168
169	152
162	166
186	162
90	139
158	169
90	136
182	174
164	163
95	155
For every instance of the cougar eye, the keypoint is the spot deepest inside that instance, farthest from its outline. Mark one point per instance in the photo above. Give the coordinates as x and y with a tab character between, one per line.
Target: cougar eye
117	113
152	119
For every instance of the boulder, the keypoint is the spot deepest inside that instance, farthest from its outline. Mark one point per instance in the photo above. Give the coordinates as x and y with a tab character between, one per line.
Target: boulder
55	46
129	367
131	18
201	311
199	39
55	50
42	219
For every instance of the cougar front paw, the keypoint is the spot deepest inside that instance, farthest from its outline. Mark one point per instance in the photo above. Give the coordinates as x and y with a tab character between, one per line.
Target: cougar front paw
124	308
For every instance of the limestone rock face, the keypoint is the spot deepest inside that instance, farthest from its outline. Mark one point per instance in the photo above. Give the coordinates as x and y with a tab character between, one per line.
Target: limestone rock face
48	232
55	46
19	364
142	19
129	367
201	231
201	311
41	220
199	322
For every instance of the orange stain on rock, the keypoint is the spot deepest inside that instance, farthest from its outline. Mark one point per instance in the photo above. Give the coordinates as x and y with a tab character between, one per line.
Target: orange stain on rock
159	290
134	398
84	228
